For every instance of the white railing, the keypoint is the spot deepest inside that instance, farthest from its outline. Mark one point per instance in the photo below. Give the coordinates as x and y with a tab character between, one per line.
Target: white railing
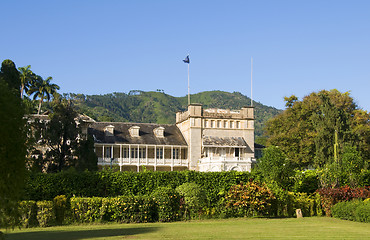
143	161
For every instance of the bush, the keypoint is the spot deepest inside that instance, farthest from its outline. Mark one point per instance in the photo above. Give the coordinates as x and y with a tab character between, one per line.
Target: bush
306	182
86	209
331	196
248	200
167	202
135	209
28	212
61	206
193	201
45	213
355	210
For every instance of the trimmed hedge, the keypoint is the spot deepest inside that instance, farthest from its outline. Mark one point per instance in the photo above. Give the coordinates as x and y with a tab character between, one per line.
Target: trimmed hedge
111	184
167	202
355	210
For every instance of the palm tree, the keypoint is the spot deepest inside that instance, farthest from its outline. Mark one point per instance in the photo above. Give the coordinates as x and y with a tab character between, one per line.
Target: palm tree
26	76
43	89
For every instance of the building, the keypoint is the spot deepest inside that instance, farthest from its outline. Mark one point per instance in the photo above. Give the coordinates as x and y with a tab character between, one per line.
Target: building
201	140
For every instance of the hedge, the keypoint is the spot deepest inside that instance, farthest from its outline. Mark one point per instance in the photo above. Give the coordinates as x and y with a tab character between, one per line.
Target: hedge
111	184
332	196
355	210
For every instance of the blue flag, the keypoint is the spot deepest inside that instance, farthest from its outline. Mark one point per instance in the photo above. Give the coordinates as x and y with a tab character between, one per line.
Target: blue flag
187	60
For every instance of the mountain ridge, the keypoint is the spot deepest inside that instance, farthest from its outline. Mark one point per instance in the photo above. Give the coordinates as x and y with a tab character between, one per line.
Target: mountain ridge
159	107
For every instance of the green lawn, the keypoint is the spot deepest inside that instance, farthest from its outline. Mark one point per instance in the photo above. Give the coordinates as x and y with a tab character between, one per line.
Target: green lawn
290	228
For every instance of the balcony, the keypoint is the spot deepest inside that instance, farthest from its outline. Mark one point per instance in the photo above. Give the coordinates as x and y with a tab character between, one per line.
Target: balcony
143	161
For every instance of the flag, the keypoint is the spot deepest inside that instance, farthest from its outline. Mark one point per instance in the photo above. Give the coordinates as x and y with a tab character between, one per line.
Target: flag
187	60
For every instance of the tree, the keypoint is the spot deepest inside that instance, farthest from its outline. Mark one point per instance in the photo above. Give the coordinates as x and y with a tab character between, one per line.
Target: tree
275	167
26	77
61	136
305	130
43	89
12	144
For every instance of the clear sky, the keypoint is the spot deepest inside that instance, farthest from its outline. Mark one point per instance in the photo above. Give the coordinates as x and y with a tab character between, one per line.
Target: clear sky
99	47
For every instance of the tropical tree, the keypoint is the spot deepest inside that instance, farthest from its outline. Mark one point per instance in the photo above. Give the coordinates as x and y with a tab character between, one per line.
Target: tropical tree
26	77
12	145
43	89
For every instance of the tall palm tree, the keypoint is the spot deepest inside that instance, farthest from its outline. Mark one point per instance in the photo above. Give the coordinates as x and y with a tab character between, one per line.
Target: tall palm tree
43	89
26	76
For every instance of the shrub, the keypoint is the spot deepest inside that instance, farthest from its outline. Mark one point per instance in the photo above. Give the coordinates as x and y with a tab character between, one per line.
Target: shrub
331	196
128	209
86	209
60	206
306	182
247	200
28	212
45	213
355	210
167	202
193	199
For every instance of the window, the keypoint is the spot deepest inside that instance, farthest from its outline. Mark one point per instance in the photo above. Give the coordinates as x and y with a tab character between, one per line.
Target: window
108	152
237	152
225	124
212	123
238	124
134	152
231	124
125	153
205	123
218	124
142	152
159	153
175	153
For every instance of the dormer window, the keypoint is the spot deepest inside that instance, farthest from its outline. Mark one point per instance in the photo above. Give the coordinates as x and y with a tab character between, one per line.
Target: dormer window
134	131
159	132
109	130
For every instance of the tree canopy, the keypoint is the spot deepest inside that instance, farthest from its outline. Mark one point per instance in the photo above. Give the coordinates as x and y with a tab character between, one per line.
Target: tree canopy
306	130
12	143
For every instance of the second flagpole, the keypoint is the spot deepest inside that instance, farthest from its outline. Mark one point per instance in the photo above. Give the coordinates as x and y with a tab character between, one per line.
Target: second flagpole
188	85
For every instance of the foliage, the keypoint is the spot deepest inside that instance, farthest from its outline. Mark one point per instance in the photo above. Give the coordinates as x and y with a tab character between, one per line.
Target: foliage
167	201
86	157
28	213
61	137
86	209
355	210
42	89
61	206
305	181
194	199
158	107
305	131
275	167
331	196
135	209
248	200
106	183
45	213
12	144
285	203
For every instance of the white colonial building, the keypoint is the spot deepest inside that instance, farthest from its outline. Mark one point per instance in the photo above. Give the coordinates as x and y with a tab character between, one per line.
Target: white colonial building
201	140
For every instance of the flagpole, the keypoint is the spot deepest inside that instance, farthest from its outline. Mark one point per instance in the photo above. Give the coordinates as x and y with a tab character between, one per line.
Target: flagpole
251	81
188	85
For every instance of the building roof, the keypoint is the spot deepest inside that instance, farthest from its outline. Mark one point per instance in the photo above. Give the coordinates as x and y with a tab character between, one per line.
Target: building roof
172	135
209	141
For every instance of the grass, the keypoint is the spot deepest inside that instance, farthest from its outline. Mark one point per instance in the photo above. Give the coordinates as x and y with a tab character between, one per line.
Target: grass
289	228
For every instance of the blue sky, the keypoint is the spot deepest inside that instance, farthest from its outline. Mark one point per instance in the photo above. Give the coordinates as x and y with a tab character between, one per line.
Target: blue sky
99	47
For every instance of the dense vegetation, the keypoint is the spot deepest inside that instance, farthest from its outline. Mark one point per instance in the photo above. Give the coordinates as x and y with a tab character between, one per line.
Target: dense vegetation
158	107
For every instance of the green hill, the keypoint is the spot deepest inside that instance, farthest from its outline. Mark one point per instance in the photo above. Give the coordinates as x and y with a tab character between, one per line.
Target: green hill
158	107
